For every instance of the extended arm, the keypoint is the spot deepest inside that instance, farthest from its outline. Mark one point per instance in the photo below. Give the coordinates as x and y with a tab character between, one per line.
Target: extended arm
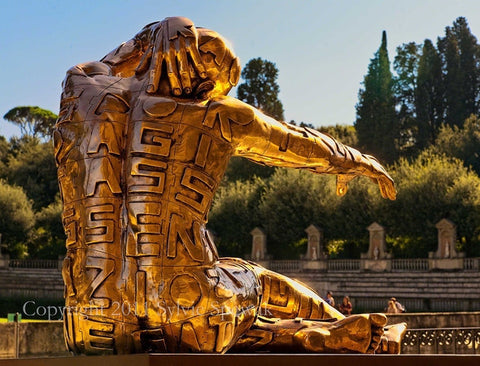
267	141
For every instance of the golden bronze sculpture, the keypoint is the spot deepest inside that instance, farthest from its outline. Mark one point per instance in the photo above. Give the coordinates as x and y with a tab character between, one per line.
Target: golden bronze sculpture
142	141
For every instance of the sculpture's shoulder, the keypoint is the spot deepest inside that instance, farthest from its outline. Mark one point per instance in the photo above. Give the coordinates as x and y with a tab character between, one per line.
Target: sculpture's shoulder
83	85
228	102
231	110
89	74
89	69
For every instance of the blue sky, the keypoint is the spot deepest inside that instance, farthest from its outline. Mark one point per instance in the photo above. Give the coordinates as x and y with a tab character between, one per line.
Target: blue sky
322	48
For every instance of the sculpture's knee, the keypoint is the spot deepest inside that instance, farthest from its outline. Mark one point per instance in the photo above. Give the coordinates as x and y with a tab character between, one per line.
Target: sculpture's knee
211	308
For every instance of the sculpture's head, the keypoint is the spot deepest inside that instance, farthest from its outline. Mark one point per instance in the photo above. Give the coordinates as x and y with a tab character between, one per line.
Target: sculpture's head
223	66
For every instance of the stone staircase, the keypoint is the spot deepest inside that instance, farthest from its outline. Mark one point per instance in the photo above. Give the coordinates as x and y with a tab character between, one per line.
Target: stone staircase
31	283
418	291
369	291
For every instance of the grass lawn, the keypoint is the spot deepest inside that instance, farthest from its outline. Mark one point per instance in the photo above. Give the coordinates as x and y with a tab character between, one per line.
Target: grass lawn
4	320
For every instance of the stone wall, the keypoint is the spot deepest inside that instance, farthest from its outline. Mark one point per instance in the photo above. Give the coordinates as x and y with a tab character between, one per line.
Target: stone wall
437	320
419	292
36	339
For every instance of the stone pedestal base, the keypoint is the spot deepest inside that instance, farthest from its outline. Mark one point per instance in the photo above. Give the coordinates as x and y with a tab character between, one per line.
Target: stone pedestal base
320	265
449	264
377	265
250	360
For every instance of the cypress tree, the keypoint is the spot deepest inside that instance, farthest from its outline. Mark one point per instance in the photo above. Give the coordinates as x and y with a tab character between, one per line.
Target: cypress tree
376	122
429	103
406	68
460	56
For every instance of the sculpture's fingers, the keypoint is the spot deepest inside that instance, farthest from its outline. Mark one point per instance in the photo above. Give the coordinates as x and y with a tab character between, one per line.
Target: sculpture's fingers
342	188
172	71
387	187
156	63
183	67
192	48
143	64
342	183
382	189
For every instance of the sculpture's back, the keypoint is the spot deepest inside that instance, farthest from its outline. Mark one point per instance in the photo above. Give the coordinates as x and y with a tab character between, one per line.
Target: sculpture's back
137	174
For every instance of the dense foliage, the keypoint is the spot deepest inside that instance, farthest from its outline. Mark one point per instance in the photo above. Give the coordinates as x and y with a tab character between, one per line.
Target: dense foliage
430	187
30	223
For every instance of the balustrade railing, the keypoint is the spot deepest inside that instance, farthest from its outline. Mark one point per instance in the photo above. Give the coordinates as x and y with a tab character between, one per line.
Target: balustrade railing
410	265
334	265
471	264
442	341
33	263
342	265
397	265
285	265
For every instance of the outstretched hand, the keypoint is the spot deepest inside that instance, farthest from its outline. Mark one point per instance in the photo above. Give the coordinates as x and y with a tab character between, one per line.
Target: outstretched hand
386	186
173	41
375	171
379	175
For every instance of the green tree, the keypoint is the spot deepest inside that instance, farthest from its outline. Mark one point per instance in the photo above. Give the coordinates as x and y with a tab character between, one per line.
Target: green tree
31	165
234	214
260	88
429	104
405	83
16	220
461	143
47	240
460	56
376	123
33	121
347	135
243	169
430	188
4	149
294	199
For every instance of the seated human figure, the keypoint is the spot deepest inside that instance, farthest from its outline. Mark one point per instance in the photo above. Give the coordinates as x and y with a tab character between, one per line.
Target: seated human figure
142	142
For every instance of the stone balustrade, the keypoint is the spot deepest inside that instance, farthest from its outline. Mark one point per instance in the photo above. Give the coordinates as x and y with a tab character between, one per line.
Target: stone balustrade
442	341
376	259
358	265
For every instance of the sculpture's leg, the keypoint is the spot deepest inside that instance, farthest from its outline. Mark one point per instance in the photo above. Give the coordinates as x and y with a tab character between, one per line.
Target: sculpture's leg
208	308
285	298
356	333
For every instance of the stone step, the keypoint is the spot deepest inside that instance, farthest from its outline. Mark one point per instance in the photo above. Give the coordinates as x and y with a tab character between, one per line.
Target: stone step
403	275
410	294
422	284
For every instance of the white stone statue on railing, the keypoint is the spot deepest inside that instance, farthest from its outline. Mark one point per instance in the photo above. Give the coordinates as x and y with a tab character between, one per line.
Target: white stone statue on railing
377	248
314	245
259	244
447	238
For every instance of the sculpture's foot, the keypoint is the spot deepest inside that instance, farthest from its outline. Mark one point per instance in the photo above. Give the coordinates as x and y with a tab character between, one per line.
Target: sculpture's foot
392	338
357	333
